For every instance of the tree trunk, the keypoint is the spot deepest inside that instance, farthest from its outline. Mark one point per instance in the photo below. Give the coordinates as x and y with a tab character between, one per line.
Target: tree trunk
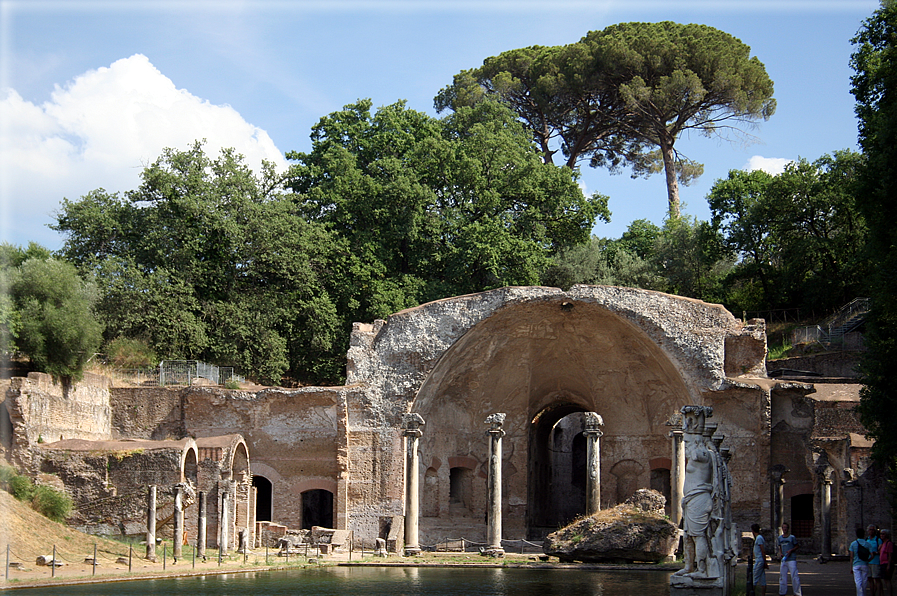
669	168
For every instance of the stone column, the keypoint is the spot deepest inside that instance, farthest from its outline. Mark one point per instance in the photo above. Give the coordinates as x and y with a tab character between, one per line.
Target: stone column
178	541
151	523
677	477
412	422
493	483
777	482
826	477
592	433
201	526
224	520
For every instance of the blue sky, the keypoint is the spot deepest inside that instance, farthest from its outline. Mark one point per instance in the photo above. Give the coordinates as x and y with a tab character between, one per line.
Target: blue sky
91	91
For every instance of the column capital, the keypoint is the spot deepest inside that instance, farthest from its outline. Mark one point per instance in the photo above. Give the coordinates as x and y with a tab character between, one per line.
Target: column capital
777	473
593	424
411	423
826	474
495	422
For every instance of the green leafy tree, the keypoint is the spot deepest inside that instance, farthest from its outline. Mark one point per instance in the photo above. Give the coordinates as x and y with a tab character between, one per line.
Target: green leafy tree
618	92
57	327
206	260
739	212
799	235
436	207
874	85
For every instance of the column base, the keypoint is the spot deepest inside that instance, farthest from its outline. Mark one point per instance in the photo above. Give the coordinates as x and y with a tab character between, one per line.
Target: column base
493	551
412	551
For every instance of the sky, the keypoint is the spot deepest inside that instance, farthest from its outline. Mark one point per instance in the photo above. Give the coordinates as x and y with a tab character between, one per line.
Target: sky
92	91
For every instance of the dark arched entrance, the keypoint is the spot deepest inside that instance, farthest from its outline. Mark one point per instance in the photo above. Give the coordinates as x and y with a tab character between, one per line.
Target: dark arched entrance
317	509
263	498
557	459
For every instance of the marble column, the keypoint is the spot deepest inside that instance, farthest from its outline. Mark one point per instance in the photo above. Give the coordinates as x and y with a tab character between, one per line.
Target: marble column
493	531
592	433
224	520
412	423
826	478
677	477
177	548
201	525
151	523
777	481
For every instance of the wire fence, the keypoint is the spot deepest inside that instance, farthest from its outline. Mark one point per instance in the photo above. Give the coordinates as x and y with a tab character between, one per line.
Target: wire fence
465	545
176	372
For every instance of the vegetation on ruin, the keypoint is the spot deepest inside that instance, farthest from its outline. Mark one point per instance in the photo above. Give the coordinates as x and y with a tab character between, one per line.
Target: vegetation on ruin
46	500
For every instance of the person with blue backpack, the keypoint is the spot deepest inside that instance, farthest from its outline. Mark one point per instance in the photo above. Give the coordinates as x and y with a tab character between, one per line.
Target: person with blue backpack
860	566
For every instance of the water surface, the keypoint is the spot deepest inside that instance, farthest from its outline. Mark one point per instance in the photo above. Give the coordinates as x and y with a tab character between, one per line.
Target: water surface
392	581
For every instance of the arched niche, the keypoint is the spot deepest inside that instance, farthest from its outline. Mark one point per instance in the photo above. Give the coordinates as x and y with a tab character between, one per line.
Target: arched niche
538	362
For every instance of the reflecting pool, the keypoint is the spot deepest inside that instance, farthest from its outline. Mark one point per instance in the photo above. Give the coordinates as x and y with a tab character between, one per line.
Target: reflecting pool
392	581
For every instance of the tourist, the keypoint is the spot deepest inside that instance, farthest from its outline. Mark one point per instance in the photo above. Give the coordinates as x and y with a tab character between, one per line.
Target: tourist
787	547
859	568
886	559
760	564
873	543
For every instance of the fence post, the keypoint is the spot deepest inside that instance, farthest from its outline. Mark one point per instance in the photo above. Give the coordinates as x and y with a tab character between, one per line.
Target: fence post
130	556
7	562
53	568
164	554
94	558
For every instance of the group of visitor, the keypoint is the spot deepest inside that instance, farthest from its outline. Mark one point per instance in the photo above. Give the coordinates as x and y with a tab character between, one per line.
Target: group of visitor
873	561
786	547
872	567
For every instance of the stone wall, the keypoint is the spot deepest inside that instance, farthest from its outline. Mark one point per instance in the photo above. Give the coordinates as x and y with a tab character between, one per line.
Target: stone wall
837	364
42	411
147	413
297	439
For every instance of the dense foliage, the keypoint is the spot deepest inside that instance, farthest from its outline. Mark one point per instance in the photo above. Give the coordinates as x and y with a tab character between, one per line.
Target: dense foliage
875	89
47	312
206	260
799	236
625	94
46	500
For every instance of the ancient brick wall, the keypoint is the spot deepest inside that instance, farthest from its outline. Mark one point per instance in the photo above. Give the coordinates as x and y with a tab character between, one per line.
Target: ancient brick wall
296	439
42	411
147	413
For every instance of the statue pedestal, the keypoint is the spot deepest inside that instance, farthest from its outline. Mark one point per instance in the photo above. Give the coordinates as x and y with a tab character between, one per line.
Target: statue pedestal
695	586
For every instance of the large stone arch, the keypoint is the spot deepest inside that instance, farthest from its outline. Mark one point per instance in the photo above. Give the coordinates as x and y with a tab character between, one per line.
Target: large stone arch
537	354
539	361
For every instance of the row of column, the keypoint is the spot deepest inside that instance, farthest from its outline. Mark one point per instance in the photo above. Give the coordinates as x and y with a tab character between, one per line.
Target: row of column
826	478
412	423
177	547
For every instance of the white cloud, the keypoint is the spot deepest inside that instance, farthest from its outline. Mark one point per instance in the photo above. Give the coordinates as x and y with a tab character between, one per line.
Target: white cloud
770	165
99	131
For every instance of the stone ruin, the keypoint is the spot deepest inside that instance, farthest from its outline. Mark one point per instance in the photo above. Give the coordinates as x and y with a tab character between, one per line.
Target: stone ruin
589	381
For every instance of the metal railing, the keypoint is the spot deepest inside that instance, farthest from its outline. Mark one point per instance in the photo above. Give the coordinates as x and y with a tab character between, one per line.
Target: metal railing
176	372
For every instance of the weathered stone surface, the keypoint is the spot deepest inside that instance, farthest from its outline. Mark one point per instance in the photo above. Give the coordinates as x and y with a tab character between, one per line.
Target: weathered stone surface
647	500
628	532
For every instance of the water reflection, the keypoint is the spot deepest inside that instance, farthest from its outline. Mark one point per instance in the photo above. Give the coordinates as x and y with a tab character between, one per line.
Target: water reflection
395	581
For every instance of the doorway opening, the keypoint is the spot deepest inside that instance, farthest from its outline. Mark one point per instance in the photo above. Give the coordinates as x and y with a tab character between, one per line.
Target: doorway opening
317	509
264	494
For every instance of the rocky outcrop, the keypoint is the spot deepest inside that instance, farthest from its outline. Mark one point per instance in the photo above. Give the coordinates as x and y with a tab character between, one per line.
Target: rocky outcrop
637	530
